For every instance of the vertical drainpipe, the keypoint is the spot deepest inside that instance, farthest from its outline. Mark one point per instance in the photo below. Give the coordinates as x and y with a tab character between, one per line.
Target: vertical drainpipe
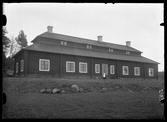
60	65
25	62
116	69
14	66
144	75
91	67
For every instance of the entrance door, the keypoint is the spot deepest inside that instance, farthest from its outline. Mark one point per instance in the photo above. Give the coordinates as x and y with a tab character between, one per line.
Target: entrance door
105	69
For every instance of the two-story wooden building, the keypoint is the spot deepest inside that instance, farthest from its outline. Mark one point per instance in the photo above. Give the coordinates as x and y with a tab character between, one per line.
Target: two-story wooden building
58	55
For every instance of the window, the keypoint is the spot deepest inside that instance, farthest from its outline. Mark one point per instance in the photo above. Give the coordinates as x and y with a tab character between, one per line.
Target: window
21	65
110	50
97	68
82	67
151	72
65	43
125	70
61	42
112	69
89	47
17	67
137	70
44	65
127	52
70	66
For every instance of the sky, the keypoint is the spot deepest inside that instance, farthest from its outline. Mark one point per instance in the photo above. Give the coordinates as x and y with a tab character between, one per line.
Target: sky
117	23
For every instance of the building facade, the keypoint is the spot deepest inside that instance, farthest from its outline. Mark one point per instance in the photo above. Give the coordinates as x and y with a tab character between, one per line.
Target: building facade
58	55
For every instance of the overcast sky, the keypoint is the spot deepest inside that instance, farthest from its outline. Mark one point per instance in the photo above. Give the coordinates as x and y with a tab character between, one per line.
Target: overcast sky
117	23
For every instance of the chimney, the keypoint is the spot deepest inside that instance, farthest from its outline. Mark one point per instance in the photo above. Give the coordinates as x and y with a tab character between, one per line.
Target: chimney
99	38
128	43
50	29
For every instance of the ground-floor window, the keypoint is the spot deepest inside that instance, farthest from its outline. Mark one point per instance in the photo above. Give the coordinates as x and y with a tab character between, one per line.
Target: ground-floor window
97	68
125	70
151	71
137	70
82	67
112	69
17	67
44	65
70	66
22	65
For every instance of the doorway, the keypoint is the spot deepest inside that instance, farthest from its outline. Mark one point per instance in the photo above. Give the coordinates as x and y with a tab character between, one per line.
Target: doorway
105	69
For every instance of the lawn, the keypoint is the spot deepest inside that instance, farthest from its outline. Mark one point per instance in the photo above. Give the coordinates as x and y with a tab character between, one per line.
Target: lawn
123	99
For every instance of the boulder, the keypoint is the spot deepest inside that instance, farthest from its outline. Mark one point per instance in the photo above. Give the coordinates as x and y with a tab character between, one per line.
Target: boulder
48	91
55	90
74	86
42	91
103	90
73	90
63	92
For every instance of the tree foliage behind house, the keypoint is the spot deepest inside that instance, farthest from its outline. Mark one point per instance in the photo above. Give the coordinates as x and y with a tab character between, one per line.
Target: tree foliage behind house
21	39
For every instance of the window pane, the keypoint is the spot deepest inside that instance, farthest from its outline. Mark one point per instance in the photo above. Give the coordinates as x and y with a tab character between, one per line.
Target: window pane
83	67
125	70
97	68
70	66
111	69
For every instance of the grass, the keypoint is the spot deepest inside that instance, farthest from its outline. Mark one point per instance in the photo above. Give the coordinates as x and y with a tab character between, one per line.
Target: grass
124	99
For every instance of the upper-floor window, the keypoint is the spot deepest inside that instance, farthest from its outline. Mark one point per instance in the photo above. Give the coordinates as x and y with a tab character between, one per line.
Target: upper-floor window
125	70
89	47
82	67
112	69
65	43
97	68
21	65
61	42
127	52
70	66
110	50
17	67
44	65
151	71
137	70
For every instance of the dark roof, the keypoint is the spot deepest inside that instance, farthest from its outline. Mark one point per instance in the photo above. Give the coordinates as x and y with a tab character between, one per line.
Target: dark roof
86	41
53	48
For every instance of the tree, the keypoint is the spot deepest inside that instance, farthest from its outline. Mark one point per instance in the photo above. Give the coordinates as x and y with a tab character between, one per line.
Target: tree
21	39
6	44
14	47
6	41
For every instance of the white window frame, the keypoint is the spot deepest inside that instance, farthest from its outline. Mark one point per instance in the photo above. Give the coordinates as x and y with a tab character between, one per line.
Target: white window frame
67	66
112	71
17	67
21	65
123	70
149	71
97	65
137	68
80	67
40	65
